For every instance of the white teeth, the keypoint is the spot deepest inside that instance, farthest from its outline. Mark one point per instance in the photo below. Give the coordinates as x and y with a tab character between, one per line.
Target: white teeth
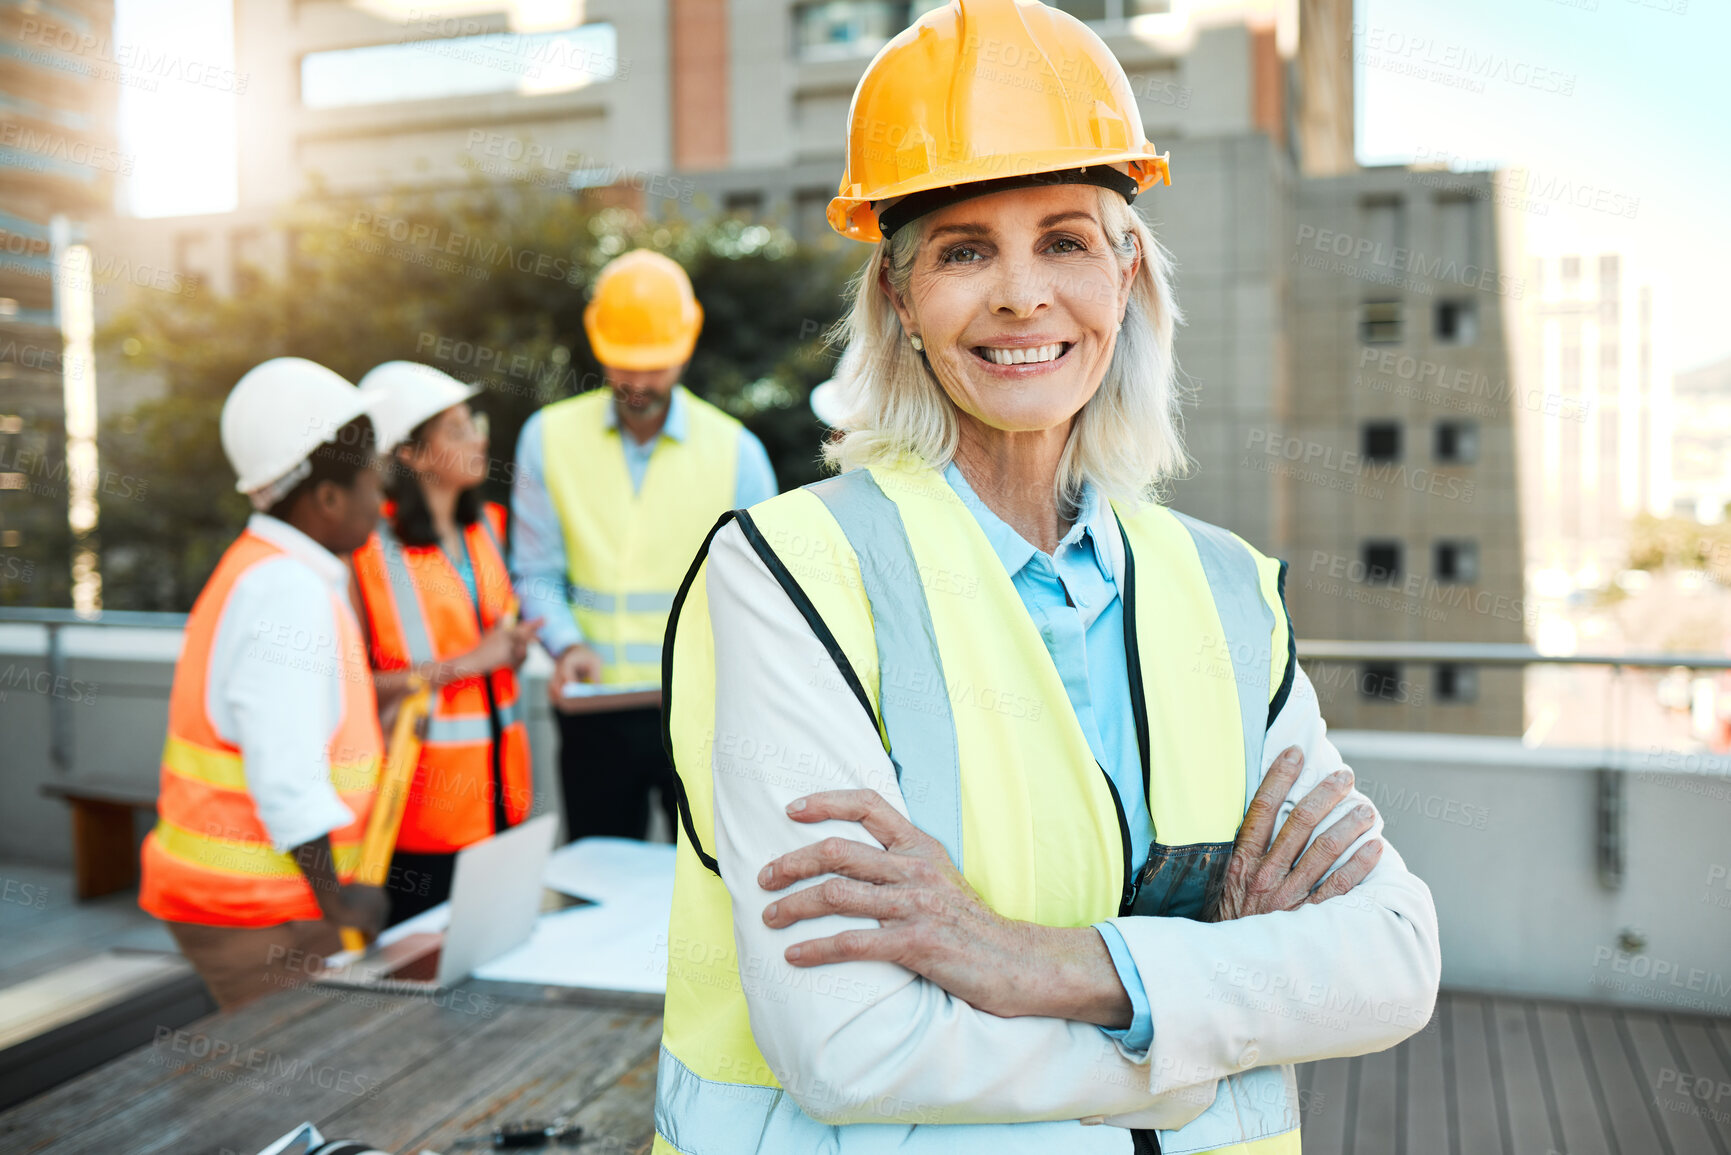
1023	356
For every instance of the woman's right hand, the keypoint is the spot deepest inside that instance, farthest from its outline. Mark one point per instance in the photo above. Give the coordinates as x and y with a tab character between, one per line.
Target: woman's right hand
501	647
1261	878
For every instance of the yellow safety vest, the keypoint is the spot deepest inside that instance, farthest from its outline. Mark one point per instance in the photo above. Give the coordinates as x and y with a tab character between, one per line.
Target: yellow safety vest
626	550
991	759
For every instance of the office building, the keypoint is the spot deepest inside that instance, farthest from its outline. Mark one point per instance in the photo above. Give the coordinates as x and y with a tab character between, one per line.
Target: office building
59	163
739	107
1594	346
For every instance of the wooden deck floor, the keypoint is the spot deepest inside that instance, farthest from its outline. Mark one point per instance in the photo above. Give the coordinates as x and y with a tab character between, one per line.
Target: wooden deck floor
42	929
1490	1075
1493	1075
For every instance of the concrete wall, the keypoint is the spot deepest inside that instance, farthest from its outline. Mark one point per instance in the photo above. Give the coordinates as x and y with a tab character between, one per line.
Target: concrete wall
116	698
1504	835
1505	838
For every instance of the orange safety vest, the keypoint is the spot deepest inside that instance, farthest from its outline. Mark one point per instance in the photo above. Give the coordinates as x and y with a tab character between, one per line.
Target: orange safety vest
210	860
473	778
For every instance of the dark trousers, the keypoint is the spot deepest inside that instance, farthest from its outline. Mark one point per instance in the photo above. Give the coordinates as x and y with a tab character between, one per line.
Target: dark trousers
417	882
608	763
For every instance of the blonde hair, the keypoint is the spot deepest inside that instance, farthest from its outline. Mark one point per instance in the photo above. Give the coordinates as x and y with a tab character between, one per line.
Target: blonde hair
1126	440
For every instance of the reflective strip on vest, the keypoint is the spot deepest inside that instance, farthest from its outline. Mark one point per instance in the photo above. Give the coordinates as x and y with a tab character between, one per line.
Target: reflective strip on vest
468	728
631	653
1248	625
227	771
627	545
414	624
717	1118
907	655
233	856
603	602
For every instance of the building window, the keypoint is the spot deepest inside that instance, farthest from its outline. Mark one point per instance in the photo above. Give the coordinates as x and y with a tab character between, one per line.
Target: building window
1381	562
1457	228
1382	222
1379	682
1610	274
1456	684
810	219
1457	562
246	259
437	67
1457	442
1457	322
1381	441
1109	10
1379	322
747	206
838	29
1571	269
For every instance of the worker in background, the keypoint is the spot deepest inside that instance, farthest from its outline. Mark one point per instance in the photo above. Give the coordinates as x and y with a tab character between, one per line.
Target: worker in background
436	604
615	490
274	746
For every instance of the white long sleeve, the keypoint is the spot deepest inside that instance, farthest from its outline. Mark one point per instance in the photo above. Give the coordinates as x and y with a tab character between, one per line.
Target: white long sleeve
275	685
1349	976
846	1038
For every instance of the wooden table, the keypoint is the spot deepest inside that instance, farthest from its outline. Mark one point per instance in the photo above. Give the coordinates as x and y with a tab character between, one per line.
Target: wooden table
405	1073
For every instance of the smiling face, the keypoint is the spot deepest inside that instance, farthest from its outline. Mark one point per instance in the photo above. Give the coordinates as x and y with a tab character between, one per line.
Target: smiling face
1017	297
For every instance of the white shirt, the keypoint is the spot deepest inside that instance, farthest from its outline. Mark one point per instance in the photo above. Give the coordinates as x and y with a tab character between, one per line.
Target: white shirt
1349	976
275	688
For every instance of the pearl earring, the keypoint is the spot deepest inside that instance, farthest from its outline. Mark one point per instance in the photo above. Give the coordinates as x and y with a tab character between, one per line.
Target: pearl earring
914	340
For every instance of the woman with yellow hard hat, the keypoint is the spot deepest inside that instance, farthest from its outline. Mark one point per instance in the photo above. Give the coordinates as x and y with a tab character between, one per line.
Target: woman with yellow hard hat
1005	806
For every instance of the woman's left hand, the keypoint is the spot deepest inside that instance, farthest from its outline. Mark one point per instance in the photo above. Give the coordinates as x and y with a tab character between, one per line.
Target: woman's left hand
930	920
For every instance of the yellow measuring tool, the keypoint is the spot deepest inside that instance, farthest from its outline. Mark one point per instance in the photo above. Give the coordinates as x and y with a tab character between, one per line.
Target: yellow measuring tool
393	795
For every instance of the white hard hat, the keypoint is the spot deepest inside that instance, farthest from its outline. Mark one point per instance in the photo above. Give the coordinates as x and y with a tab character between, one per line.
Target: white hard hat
410	394
833	401
274	418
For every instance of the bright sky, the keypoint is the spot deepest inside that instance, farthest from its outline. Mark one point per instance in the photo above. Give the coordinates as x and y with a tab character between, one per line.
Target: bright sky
1643	123
177	109
1649	119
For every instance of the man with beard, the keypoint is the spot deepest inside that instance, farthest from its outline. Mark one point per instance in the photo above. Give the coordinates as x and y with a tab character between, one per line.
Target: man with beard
614	492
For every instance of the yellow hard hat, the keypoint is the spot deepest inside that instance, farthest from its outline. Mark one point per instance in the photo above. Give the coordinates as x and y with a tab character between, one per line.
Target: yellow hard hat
644	314
983	95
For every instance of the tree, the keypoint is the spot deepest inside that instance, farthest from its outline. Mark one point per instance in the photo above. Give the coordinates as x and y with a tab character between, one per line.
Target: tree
1657	543
487	284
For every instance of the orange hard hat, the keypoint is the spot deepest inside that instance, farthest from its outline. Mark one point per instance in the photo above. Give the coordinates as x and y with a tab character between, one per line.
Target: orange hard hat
992	94
644	314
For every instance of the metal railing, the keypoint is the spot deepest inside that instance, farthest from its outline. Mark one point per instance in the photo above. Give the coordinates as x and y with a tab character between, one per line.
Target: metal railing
1496	654
1610	833
32	615
54	620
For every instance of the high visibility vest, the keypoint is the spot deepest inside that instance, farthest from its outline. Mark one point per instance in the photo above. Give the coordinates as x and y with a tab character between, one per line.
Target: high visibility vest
992	762
209	860
626	551
473	778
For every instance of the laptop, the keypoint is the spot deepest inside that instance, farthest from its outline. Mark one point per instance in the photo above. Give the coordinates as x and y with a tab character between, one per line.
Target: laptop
495	899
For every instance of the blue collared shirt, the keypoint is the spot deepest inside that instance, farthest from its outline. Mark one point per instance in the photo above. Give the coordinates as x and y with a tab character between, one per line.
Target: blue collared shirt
538	563
1073	599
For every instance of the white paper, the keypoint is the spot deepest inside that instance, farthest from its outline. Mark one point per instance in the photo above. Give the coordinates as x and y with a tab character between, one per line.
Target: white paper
616	947
620	944
608	870
604	689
